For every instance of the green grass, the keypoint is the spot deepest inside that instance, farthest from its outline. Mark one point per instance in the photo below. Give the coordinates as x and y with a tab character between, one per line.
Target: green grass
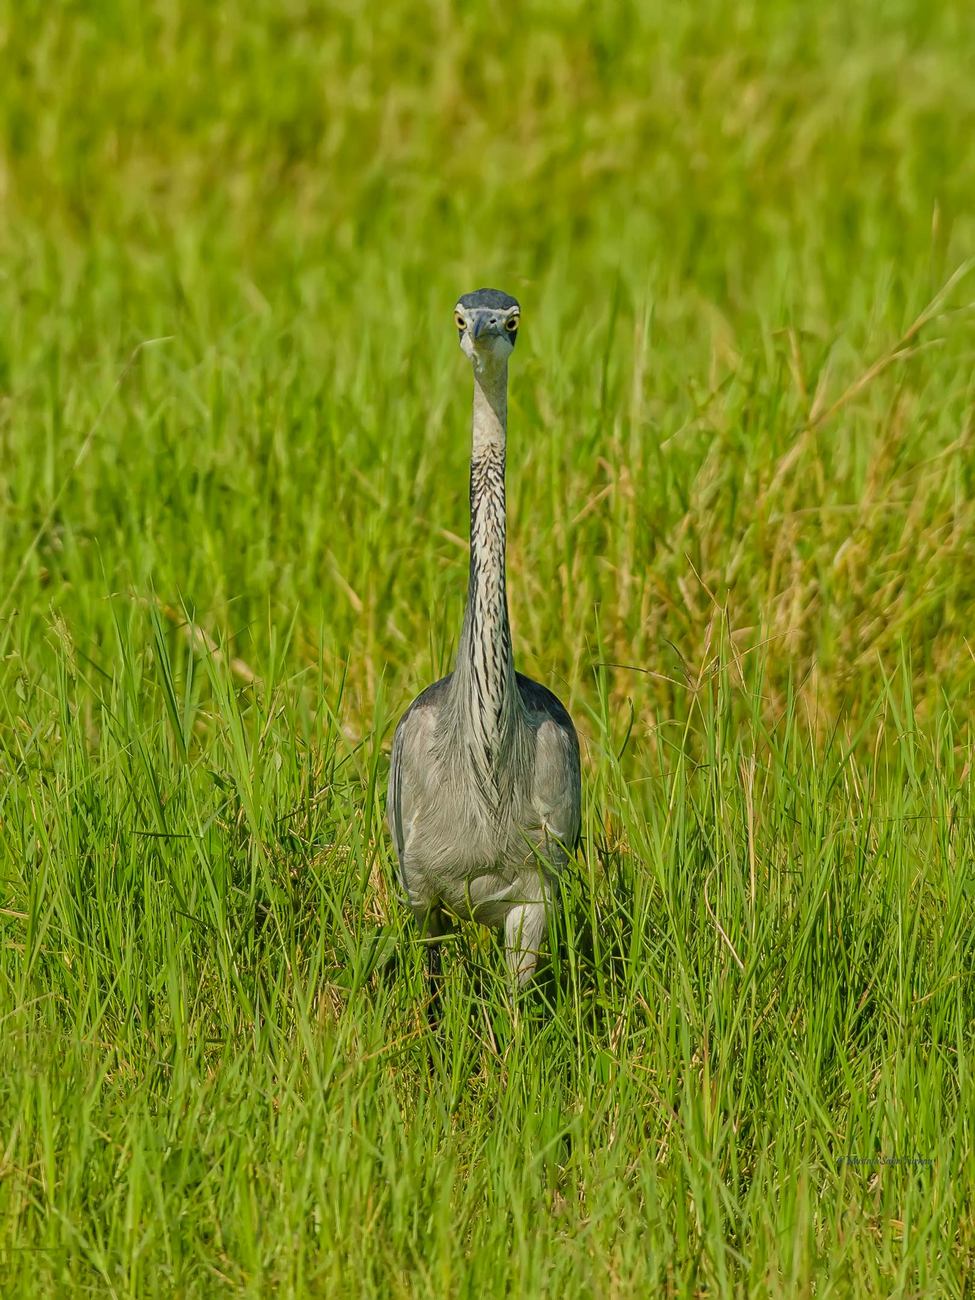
233	459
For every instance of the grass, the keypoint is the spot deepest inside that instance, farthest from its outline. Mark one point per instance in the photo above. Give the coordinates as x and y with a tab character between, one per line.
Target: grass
233	442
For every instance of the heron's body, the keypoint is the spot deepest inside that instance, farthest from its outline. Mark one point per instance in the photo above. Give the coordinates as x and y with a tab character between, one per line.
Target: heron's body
484	790
475	850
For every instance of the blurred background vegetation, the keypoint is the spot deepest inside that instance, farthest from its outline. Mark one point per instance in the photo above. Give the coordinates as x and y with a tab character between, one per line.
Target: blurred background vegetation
717	218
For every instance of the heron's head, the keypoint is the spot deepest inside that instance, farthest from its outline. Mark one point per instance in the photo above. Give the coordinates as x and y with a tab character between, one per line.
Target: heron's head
487	326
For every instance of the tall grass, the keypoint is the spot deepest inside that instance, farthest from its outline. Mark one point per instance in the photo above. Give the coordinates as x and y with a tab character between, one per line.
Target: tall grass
233	442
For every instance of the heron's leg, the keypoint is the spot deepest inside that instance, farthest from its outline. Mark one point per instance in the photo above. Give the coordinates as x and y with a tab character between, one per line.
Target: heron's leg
524	932
433	923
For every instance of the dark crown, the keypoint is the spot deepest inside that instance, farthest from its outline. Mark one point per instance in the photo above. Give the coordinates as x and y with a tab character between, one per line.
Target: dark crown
490	298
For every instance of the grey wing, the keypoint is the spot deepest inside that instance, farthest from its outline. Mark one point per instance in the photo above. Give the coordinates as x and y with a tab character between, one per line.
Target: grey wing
408	768
557	782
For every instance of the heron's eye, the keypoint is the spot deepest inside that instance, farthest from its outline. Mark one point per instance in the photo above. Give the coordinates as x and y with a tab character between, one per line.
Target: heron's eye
511	324
459	321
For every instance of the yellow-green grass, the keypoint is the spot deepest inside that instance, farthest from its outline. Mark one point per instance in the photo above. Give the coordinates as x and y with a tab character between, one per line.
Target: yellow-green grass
233	458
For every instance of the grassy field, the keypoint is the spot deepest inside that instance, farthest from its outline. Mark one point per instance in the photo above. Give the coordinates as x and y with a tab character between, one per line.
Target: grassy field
233	492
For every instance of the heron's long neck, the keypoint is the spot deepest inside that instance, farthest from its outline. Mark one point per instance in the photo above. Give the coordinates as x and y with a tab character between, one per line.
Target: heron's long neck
485	667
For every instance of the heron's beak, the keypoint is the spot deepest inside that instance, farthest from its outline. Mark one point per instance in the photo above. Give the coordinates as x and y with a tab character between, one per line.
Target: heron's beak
484	325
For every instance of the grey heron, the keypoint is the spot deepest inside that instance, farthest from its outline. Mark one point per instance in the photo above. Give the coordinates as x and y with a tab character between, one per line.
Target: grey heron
484	785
